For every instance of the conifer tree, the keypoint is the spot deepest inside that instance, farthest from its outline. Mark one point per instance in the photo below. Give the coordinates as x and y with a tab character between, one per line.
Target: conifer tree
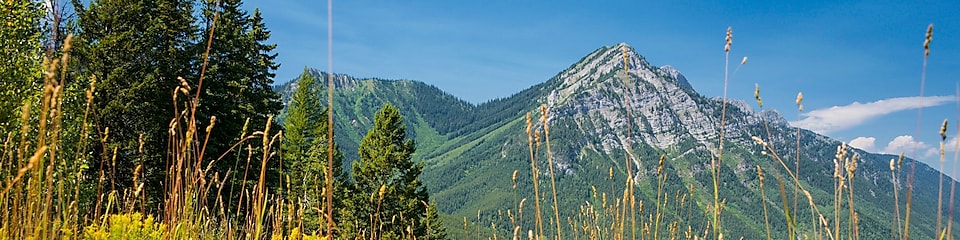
136	50
305	153
388	190
236	90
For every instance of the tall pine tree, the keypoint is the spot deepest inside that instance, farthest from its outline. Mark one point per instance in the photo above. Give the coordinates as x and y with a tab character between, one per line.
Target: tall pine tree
305	154
390	199
135	49
237	90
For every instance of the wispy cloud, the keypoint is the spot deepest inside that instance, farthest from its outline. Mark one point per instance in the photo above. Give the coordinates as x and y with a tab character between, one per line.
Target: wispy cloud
837	118
905	144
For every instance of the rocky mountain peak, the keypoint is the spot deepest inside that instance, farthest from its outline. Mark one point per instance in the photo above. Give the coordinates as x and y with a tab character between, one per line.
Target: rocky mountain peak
661	103
676	75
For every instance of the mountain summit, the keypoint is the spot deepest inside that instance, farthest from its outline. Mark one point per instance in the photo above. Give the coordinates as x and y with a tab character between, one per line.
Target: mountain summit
598	116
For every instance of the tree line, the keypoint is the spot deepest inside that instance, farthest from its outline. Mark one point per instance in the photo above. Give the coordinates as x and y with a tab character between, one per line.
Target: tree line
132	70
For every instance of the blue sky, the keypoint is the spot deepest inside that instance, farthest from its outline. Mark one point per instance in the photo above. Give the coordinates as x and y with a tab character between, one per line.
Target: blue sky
858	63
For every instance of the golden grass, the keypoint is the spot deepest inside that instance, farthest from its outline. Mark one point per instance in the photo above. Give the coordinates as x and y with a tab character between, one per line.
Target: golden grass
553	183
535	172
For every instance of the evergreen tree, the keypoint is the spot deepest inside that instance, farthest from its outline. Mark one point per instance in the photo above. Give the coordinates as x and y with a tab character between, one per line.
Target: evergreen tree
135	49
305	152
236	89
390	199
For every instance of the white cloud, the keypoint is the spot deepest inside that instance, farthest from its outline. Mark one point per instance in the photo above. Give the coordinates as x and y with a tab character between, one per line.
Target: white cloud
836	118
929	153
865	143
905	144
951	144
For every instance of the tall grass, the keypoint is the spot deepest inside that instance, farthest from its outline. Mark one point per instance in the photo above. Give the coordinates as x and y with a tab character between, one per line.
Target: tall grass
913	165
630	185
553	183
37	199
943	139
43	198
535	172
956	159
717	161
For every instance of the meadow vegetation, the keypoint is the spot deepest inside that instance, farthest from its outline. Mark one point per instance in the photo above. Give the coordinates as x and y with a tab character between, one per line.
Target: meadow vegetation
153	123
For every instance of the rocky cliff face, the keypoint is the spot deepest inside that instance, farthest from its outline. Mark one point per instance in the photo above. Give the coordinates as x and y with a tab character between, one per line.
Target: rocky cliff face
663	108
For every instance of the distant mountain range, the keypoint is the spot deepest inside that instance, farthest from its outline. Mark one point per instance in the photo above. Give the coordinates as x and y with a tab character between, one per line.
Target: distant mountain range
472	150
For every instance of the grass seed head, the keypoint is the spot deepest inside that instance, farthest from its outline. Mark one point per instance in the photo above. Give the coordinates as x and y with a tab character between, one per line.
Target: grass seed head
529	131
383	190
760	174
756	94
140	145
543	113
516	232
758	140
726	48
926	43
660	165
536	137
852	165
900	161
213	120
943	130
800	101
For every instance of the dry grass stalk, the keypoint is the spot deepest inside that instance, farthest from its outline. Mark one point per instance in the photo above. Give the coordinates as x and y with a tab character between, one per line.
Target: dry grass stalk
851	169
716	161
535	172
956	158
763	199
553	183
943	139
894	166
913	165
629	148
796	166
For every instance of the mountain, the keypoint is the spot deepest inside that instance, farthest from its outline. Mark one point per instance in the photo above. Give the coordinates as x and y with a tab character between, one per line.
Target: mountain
471	152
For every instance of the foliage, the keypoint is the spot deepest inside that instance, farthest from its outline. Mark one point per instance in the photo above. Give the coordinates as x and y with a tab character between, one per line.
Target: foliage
305	154
389	196
136	50
236	83
21	44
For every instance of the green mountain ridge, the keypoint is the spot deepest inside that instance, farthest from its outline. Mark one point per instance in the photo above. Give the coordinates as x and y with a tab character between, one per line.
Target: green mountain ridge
472	150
